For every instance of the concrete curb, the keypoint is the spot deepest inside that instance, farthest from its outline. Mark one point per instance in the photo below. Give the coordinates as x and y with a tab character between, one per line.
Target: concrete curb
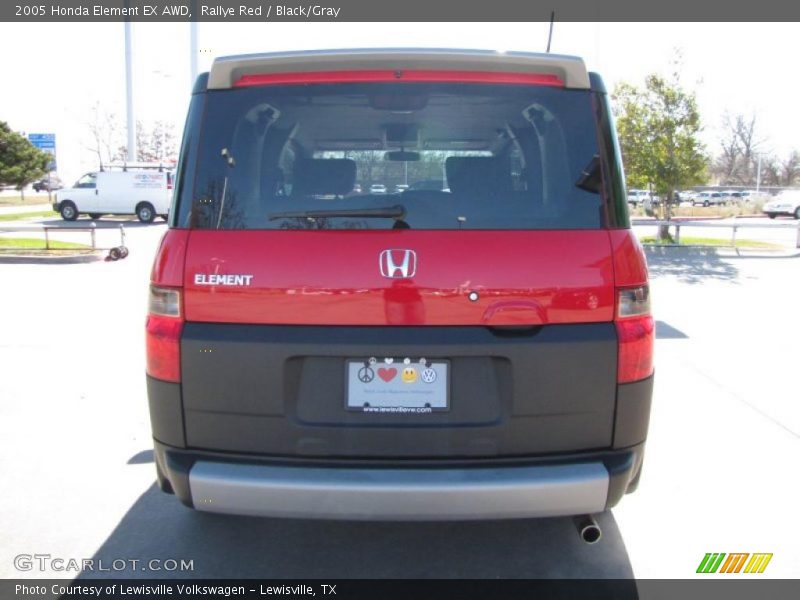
32	259
724	251
698	218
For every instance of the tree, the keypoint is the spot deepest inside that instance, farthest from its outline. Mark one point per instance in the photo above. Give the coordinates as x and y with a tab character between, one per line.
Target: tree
770	171
775	171
156	143
741	144
20	161
790	169
659	128
105	135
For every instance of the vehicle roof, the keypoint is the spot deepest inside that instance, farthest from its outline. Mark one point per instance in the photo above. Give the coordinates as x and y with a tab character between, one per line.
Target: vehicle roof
131	171
227	70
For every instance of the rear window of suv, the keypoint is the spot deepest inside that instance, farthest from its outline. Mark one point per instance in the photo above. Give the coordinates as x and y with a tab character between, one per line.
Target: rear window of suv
395	155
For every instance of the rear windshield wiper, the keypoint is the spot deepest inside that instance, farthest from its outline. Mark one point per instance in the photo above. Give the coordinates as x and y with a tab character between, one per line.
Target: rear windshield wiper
398	211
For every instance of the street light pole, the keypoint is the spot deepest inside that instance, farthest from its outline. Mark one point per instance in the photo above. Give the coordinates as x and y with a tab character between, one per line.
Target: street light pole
131	120
164	76
192	50
758	175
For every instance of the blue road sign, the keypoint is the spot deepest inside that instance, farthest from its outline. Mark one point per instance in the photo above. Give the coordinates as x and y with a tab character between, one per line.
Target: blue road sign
43	141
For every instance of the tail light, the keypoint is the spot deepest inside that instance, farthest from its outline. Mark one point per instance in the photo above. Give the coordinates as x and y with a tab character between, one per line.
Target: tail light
163	331
169	181
636	334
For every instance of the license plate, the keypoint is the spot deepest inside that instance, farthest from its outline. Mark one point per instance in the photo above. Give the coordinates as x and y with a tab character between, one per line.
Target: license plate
397	385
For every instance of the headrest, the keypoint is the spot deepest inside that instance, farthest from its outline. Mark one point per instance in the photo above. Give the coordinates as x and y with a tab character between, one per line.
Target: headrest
471	175
323	176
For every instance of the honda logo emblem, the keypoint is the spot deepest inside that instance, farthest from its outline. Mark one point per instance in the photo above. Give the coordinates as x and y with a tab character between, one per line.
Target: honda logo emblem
398	264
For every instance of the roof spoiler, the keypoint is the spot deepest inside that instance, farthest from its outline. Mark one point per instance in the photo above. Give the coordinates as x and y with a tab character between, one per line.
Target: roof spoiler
227	71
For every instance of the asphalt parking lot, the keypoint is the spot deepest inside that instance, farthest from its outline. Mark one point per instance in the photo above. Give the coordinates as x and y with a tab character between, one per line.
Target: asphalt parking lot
720	472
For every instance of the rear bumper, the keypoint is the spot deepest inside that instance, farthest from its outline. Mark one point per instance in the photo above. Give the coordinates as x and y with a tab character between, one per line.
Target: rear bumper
579	484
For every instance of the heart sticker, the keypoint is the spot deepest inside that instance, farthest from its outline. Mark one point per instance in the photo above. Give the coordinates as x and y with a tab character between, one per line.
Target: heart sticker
387	374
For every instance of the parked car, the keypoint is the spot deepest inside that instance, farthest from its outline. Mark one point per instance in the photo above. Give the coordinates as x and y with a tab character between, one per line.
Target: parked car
47	185
732	194
637	197
786	203
753	195
427	184
478	353
710	199
400	188
141	192
377	188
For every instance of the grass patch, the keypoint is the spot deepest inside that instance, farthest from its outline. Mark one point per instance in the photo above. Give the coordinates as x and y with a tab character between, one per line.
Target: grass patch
38	244
29	199
753	208
28	215
701	241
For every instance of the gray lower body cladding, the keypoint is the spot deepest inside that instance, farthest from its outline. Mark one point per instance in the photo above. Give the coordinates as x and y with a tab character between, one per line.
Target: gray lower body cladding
417	490
537	425
399	494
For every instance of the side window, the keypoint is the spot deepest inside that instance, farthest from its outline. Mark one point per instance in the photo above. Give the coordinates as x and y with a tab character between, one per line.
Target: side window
87	181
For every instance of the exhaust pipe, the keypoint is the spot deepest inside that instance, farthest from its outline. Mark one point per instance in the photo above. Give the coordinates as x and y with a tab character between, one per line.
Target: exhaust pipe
588	529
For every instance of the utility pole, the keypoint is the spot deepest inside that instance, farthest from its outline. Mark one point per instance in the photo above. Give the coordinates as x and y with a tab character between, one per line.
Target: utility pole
192	48
758	175
165	78
131	119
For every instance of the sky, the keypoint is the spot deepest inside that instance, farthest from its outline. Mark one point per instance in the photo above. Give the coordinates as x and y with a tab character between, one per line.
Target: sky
66	68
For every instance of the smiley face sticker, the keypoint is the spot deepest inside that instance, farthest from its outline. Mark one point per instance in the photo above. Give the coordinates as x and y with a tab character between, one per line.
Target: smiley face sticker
409	375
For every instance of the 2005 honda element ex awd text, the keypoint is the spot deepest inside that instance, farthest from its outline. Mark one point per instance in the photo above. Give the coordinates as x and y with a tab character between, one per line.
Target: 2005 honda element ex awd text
473	341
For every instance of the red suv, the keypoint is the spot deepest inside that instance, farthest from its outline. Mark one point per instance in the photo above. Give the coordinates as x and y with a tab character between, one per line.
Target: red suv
471	350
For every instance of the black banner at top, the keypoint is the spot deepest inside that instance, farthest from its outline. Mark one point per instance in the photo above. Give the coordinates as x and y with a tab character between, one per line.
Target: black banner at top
395	10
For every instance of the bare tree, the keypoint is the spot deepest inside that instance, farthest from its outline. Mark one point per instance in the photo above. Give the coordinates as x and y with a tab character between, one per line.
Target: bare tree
105	135
156	142
740	146
727	163
770	170
750	142
776	171
790	169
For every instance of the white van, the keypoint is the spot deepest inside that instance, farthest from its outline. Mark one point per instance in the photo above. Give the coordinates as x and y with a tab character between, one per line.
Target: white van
141	192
